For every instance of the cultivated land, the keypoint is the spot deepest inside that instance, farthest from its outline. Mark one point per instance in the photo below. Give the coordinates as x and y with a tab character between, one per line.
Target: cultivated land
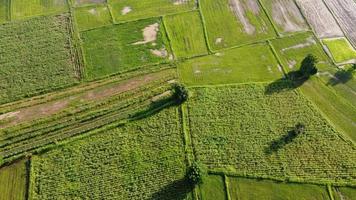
90	109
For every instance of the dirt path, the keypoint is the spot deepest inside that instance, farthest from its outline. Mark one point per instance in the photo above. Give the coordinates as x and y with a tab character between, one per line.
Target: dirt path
52	107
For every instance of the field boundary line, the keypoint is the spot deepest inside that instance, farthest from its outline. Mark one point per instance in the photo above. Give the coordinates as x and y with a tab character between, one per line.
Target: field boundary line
269	18
188	142
330	192
304	17
206	36
226	187
228	84
274	52
168	37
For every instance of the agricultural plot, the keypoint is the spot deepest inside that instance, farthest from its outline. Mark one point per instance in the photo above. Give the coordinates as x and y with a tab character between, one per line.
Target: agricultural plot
345	13
92	17
285	15
344	193
124	47
85	2
128	10
341	50
245	130
319	17
250	189
292	50
213	188
13	181
4	10
141	160
37	56
23	9
186	34
235	22
254	63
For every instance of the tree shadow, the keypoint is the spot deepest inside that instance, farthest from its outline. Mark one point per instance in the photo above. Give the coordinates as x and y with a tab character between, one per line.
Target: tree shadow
281	142
292	81
177	190
341	77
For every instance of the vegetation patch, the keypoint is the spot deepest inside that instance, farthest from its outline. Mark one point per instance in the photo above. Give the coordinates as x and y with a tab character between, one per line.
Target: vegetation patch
22	9
213	188
235	22
141	160
247	130
4	10
13	181
127	10
254	63
186	33
92	17
123	47
37	56
85	2
344	193
340	49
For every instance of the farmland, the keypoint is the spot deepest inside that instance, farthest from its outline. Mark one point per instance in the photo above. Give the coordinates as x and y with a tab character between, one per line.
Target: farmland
177	99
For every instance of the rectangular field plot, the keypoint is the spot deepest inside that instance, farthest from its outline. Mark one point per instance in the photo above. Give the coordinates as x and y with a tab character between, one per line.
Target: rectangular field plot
341	50
22	9
251	189
213	188
36	56
141	160
127	10
92	17
292	50
13	180
186	33
319	17
234	22
285	15
344	193
246	130
123	47
254	63
85	2
4	10
345	13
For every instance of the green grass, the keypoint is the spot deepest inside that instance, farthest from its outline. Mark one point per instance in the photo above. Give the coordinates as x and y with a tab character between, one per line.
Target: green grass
4	9
92	17
186	34
251	189
86	2
244	130
344	193
254	63
292	50
37	56
213	188
340	49
140	160
147	8
225	30
119	48
22	9
13	181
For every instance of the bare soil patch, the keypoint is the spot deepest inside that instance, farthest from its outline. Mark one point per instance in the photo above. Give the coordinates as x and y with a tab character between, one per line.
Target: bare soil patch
126	10
180	2
320	18
240	10
149	34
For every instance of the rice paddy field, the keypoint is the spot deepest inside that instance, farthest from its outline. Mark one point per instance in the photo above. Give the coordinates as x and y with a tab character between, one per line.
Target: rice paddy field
177	100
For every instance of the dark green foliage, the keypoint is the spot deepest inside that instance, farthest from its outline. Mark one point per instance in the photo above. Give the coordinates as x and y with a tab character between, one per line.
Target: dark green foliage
308	66
299	129
195	174
181	93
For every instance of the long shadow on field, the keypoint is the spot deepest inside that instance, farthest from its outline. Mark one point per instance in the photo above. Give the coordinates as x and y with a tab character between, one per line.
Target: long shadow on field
177	190
342	76
290	82
281	142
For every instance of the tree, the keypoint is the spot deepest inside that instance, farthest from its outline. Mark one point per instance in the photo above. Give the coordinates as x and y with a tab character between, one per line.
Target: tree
299	129
308	66
181	93
195	174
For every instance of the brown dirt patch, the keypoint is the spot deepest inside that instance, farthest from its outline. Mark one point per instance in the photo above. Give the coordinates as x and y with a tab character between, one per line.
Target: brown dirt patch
149	34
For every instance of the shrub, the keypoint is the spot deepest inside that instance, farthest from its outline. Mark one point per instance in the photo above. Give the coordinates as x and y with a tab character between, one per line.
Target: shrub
195	174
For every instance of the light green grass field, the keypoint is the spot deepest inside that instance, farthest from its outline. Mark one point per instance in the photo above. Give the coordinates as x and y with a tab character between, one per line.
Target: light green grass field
186	33
252	189
292	50
13	181
22	9
127	10
86	2
92	17
140	160
344	193
119	48
254	63
340	49
225	29
213	188
245	130
4	9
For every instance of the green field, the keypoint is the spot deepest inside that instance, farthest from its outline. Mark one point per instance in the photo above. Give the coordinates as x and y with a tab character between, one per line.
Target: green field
245	130
251	189
123	47
37	56
186	34
258	65
226	29
23	9
344	193
4	9
85	2
13	181
127	10
141	160
340	49
92	17
213	188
